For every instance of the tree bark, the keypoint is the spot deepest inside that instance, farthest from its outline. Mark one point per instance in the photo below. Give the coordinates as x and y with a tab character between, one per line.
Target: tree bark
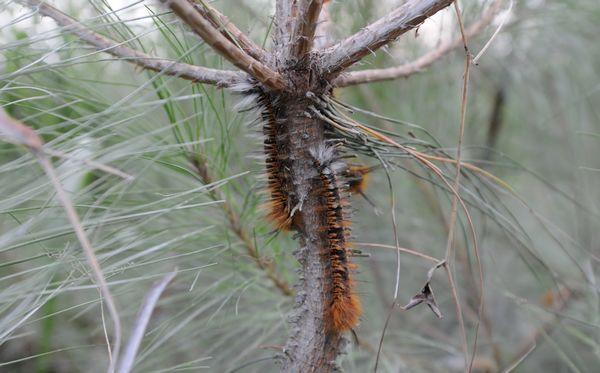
309	348
379	33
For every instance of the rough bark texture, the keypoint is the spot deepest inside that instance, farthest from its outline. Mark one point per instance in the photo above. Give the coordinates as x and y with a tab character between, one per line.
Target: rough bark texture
223	46
420	64
308	349
379	33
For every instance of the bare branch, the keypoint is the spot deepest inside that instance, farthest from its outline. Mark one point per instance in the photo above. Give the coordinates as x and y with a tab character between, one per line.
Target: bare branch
224	47
198	74
379	33
18	133
15	132
141	322
303	37
408	69
323	33
230	31
284	17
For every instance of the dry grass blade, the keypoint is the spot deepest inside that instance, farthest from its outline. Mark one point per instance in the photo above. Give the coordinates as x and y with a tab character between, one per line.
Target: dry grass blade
398	262
489	42
520	359
19	133
198	74
141	322
402	249
380	345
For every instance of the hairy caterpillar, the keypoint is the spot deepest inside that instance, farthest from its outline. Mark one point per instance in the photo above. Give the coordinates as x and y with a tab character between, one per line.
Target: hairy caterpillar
343	307
278	204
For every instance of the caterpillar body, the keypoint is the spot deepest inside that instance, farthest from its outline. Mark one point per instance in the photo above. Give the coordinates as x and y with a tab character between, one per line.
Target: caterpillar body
343	307
278	203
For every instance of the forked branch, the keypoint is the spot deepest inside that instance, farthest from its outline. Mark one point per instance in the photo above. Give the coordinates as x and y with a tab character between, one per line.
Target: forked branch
188	14
306	26
379	33
324	31
223	78
416	66
229	30
284	24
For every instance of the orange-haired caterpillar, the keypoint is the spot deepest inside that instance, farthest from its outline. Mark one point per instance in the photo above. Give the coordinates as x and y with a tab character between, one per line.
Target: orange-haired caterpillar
278	204
343	308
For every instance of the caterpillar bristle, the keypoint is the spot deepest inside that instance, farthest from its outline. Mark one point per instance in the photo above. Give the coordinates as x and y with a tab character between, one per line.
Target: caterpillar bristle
278	204
345	315
343	308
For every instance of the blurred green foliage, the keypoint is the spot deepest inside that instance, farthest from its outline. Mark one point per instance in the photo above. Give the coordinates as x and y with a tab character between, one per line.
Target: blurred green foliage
221	313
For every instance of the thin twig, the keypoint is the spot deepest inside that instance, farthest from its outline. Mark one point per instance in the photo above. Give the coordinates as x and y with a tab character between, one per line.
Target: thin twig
222	78
284	20
141	322
398	262
379	33
324	31
418	65
459	314
93	164
402	249
231	31
188	14
19	133
520	358
489	42
380	345
556	304
303	37
454	207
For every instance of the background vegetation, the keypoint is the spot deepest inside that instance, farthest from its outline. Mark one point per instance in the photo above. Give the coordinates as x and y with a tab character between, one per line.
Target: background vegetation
222	312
